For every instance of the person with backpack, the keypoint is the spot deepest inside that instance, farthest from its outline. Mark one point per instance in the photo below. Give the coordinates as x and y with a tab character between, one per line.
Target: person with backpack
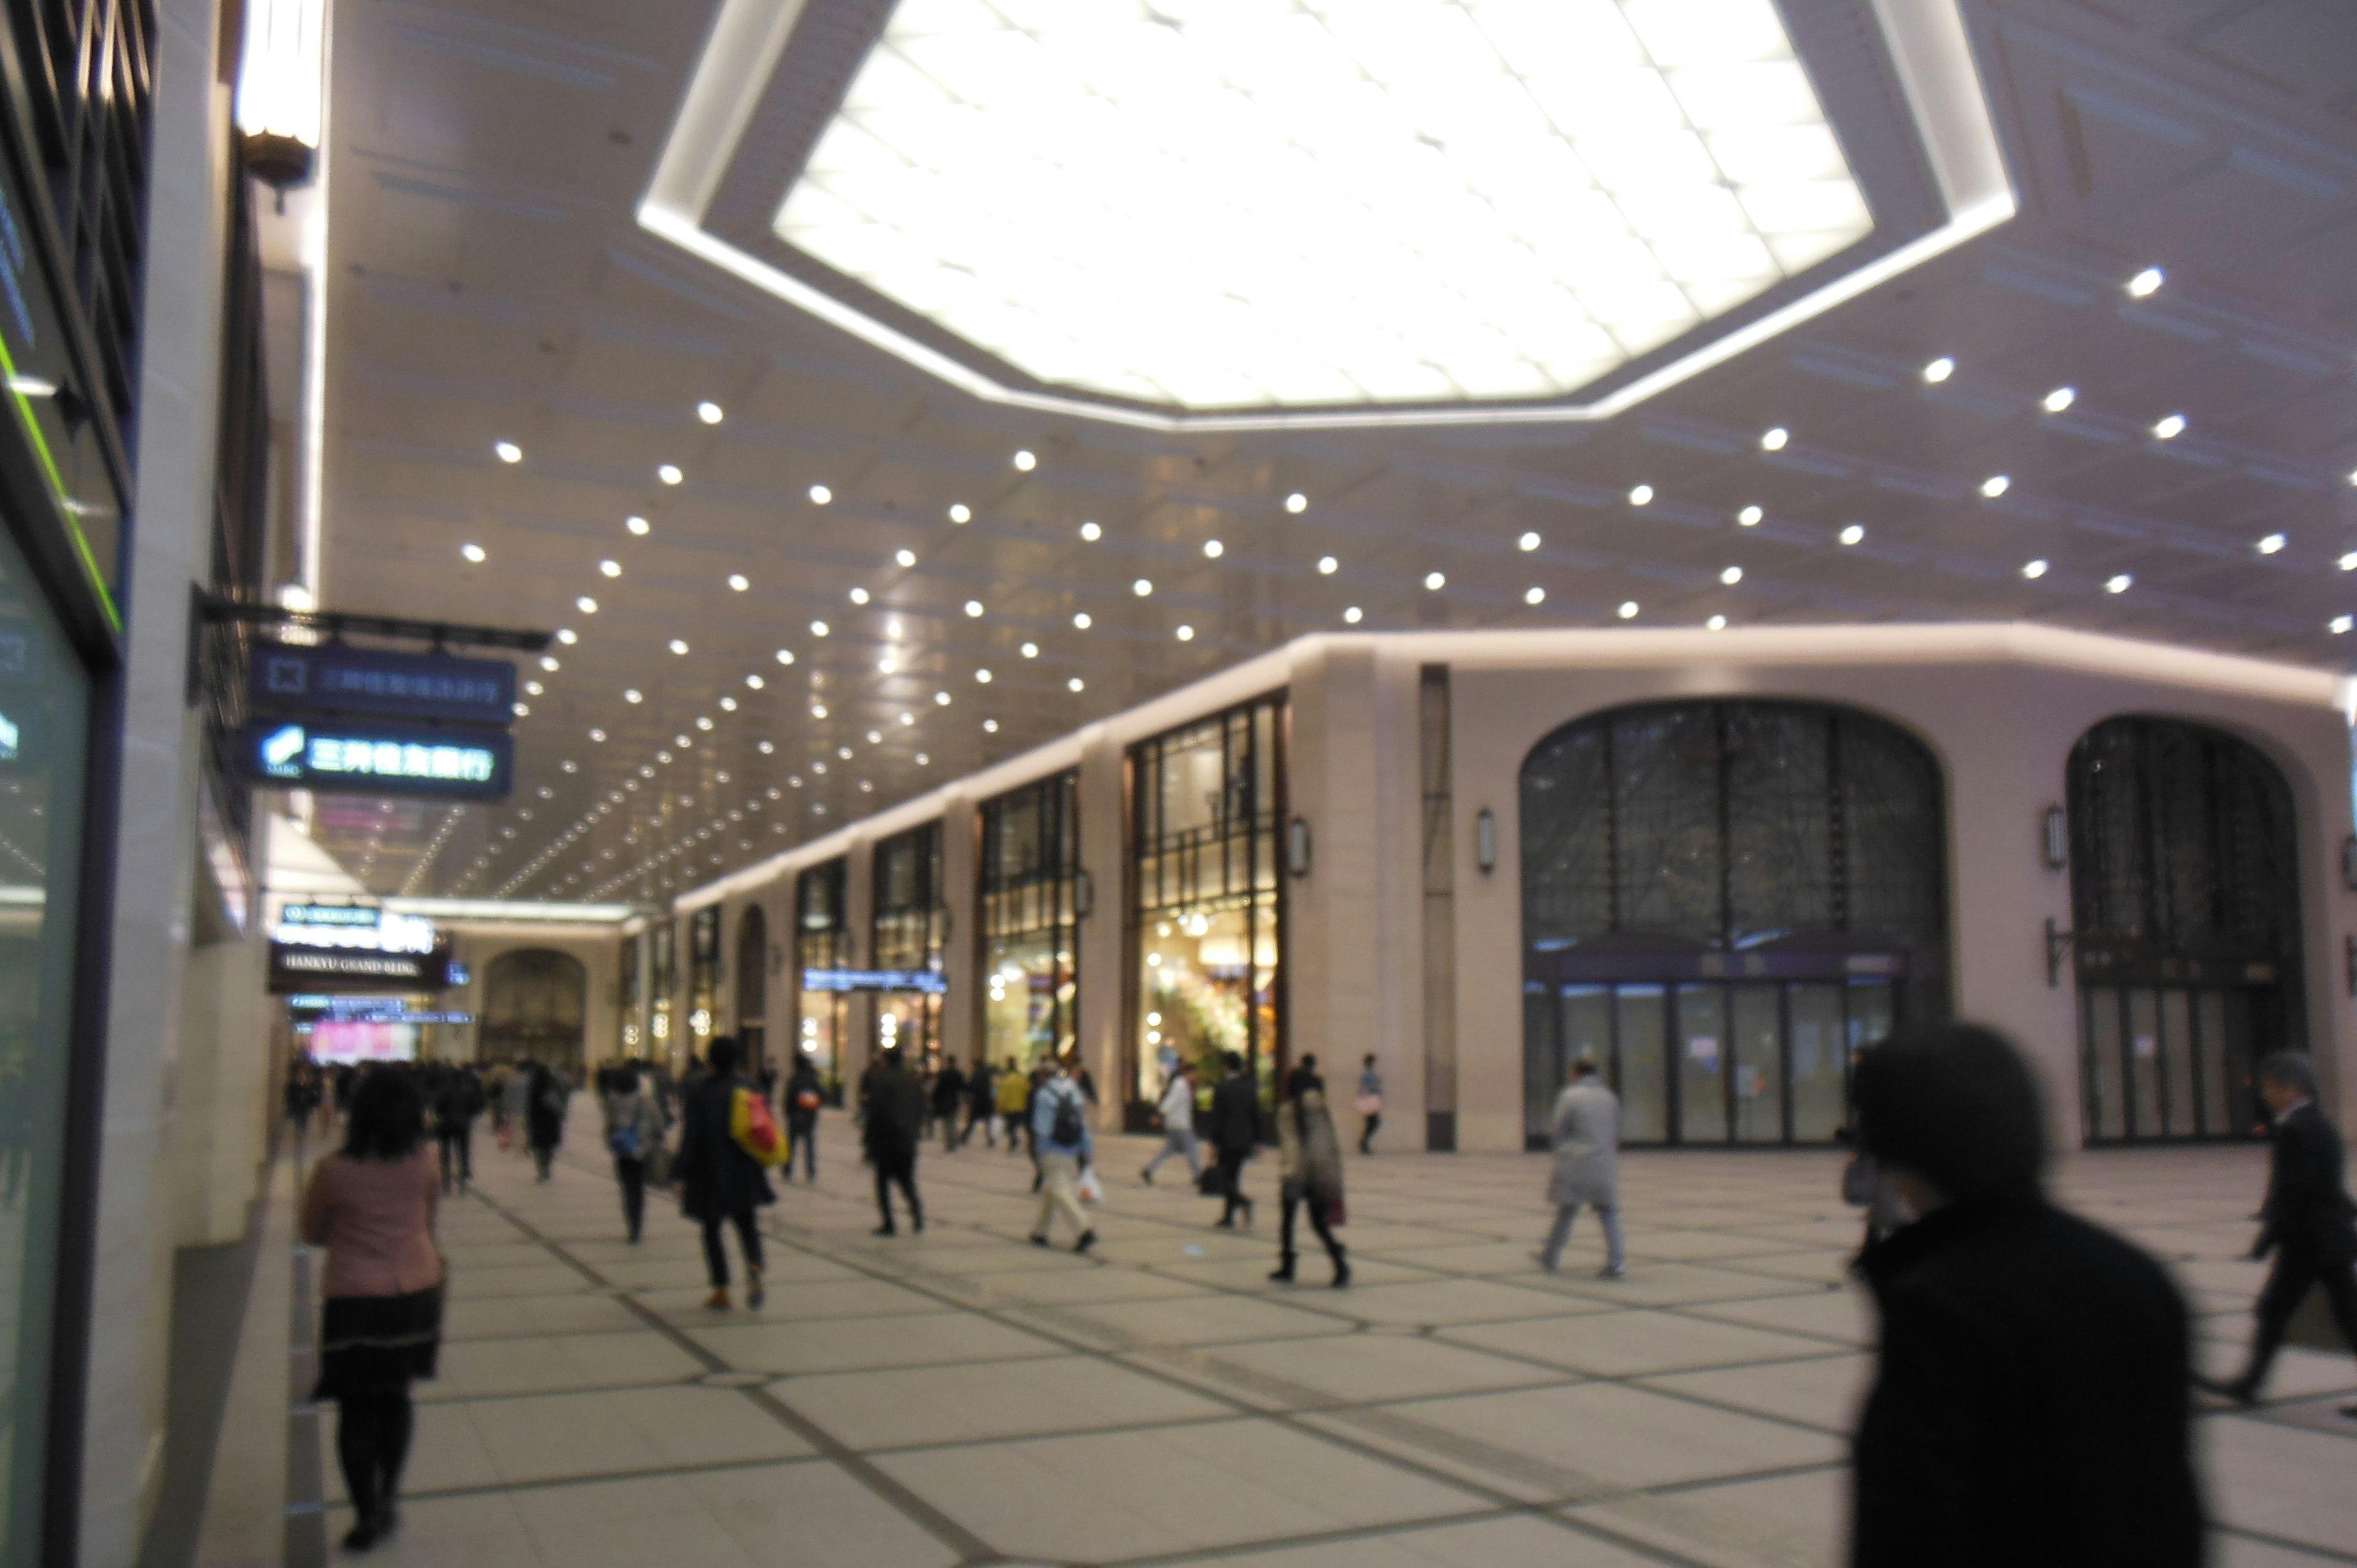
457	1100
1060	1130
634	1132
1235	1133
805	1095
722	1182
1310	1169
895	1126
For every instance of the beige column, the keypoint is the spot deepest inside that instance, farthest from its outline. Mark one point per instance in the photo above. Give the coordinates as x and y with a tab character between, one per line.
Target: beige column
1104	956
960	895
859	912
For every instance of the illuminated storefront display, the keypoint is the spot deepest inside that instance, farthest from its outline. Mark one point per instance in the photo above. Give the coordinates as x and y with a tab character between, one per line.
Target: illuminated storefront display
703	974
907	931
821	941
1207	927
1030	939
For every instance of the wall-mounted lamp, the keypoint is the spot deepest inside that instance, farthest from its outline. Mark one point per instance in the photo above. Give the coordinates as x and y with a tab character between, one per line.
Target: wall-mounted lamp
280	91
1485	841
2057	824
1297	846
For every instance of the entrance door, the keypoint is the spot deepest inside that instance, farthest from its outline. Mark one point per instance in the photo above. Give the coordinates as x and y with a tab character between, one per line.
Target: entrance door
2172	1062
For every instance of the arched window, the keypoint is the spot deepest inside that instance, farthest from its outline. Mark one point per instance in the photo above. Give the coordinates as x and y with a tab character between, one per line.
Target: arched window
2185	906
1721	901
536	1002
752	982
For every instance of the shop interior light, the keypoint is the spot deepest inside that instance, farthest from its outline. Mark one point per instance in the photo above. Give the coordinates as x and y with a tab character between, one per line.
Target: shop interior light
1521	197
1940	369
280	88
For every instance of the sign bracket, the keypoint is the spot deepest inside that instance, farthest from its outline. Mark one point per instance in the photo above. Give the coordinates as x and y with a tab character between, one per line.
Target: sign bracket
215	610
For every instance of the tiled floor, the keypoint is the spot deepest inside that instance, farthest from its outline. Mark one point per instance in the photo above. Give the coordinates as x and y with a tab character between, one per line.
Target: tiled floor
962	1397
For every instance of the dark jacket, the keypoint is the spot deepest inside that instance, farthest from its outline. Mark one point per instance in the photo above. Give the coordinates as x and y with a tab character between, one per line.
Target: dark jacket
545	1112
803	1078
2308	1212
1235	1114
2030	1406
949	1090
717	1177
894	1103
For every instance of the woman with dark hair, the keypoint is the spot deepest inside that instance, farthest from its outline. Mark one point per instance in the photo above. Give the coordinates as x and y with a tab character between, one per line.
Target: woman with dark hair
719	1183
1310	1169
372	1206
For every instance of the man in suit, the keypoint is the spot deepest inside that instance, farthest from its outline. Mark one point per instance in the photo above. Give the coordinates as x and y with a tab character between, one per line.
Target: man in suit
2307	1222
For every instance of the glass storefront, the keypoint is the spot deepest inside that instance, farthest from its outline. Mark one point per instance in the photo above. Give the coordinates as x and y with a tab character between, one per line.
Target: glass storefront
627	997
1206	924
1722	904
662	967
702	976
1030	933
45	698
906	932
821	941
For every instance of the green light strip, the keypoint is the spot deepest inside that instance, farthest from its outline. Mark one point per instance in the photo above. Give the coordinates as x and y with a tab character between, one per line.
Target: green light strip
58	485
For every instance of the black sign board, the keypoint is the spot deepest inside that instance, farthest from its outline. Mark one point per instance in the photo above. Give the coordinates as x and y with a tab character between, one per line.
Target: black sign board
334	679
326	971
378	756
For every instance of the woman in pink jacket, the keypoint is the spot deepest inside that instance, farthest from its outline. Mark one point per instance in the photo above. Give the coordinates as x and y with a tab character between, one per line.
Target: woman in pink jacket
372	1206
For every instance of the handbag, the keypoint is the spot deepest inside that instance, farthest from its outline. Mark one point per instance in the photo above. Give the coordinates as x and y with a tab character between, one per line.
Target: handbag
1369	1104
1335	1214
754	1129
626	1141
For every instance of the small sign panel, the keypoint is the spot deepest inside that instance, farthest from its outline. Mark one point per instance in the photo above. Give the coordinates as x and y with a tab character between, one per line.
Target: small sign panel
336	679
931	982
306	970
379	757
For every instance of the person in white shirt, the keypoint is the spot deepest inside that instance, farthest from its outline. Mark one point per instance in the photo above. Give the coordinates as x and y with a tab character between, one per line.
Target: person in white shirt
1177	1111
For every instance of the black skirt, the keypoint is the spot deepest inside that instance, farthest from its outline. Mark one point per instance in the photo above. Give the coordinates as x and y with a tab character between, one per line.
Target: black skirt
378	1344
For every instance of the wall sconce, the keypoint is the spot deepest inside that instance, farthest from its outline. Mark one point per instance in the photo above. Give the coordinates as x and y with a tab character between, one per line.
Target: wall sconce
1485	841
2057	838
1297	847
280	90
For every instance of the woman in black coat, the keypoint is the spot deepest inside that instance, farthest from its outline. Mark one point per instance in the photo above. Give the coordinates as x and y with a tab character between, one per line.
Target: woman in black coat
719	1183
544	1116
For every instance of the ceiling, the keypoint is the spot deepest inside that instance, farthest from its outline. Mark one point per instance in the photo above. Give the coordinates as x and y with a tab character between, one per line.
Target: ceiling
489	283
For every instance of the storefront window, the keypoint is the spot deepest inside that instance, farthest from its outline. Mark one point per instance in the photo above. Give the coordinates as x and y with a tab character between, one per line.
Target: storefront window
664	965
702	976
821	941
1207	928
1030	936
626	996
44	701
906	934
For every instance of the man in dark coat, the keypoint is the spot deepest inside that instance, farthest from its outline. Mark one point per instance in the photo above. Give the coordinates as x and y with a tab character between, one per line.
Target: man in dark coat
1235	1133
720	1183
895	1124
2308	1221
2030	1405
949	1101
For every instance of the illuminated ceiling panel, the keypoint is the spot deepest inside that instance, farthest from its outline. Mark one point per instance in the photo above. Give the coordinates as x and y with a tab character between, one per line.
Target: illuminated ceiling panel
1249	203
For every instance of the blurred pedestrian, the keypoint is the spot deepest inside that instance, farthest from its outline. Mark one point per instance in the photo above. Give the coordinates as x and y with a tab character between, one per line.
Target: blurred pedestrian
949	1104
1370	1103
1235	1133
1584	1134
2307	1222
1310	1169
1013	1104
893	1128
517	1097
720	1182
457	1100
371	1206
804	1097
981	1103
1177	1114
544	1116
634	1135
1060	1130
2030	1404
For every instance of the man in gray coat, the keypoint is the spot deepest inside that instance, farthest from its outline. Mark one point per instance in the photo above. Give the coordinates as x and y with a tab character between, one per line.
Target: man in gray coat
1584	1134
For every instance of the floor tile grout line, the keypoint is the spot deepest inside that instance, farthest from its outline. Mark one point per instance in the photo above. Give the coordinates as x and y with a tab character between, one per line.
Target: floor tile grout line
2285	1543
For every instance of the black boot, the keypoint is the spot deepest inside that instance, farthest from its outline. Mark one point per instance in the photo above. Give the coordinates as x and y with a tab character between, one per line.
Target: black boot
1341	1269
1283	1274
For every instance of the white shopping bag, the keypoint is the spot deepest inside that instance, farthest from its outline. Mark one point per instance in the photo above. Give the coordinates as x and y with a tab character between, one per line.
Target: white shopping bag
1092	1190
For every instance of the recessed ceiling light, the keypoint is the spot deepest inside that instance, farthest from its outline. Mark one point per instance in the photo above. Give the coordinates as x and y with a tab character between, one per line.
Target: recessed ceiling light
2119	585
1643	495
547	662
703	722
1716	623
1029	651
1749	516
1142	587
1527	542
2169	427
633	696
820	495
2349	562
598	734
874	738
818	628
905	557
1092	532
2271	542
1186	634
1024	461
1435	581
611	568
818	711
982	676
990	726
2034	570
785	656
2340	625
1083	621
1939	369
586	605
1996	485
1075	685
1853	534
473	553
1353	615
755	682
1297	503
1214	549
858	596
1328	565
677	646
534	688
2059	399
637	524
1534	595
669	473
738	581
568	636
2146	284
727	704
1628	610
508	451
1774	440
1731	575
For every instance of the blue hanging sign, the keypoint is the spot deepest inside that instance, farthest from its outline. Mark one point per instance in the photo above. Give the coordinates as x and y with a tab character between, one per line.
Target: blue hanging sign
364	757
333	678
930	982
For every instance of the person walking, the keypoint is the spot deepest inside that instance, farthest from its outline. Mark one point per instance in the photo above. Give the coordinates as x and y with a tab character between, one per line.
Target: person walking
1040	1076
517	1098
2307	1222
949	1104
634	1132
1235	1133
720	1183
1177	1114
1309	1170
373	1206
1584	1134
894	1128
1060	1130
544	1116
1013	1104
2028	1406
982	1104
1369	1104
457	1100
804	1097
